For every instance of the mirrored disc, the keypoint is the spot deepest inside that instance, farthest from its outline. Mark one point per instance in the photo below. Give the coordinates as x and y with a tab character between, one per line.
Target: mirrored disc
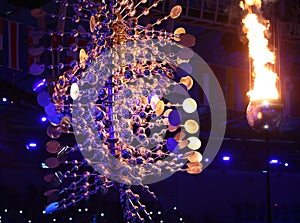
178	89
48	178
178	32
187	40
82	56
50	109
74	91
194	143
186	67
195	157
194	167
172	145
53	132
167	112
188	154
92	24
187	81
51	207
172	128
35	50
185	53
82	31
51	191
153	101
194	170
56	119
175	11
189	105
37	69
36	33
65	124
160	107
52	162
179	136
194	164
53	147
182	144
53	179
37	12
43	98
174	118
191	126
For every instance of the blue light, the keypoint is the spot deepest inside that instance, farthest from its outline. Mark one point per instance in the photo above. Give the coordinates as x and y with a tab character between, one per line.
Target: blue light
274	161
226	158
4	99
31	145
43	119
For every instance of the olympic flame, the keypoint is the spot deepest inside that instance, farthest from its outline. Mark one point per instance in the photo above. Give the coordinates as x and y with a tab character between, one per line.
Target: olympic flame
256	27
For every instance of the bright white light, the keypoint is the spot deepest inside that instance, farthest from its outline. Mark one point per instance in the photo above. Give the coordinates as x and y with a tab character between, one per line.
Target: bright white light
44	212
4	99
189	105
70	219
31	145
150	212
5	210
161	221
43	119
79	210
20	211
180	219
206	160
86	209
286	164
102	214
264	171
29	221
159	212
54	219
274	161
226	158
175	208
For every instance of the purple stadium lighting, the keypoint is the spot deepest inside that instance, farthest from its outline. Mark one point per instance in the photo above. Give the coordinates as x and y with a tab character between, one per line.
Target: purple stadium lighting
226	158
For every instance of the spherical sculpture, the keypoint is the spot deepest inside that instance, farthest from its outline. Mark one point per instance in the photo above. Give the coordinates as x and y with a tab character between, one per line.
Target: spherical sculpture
265	115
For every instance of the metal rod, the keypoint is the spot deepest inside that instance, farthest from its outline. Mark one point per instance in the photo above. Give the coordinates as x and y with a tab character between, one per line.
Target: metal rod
269	211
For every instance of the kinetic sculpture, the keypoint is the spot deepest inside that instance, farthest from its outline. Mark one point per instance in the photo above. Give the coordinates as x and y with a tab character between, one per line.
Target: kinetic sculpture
123	102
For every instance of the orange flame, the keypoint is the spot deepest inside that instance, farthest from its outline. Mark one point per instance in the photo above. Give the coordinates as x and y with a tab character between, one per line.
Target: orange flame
265	80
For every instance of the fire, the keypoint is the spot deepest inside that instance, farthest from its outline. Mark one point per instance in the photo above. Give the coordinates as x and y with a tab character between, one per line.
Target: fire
265	79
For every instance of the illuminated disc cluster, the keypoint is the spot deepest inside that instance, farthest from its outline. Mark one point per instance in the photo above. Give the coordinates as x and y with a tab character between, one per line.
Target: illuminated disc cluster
126	101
